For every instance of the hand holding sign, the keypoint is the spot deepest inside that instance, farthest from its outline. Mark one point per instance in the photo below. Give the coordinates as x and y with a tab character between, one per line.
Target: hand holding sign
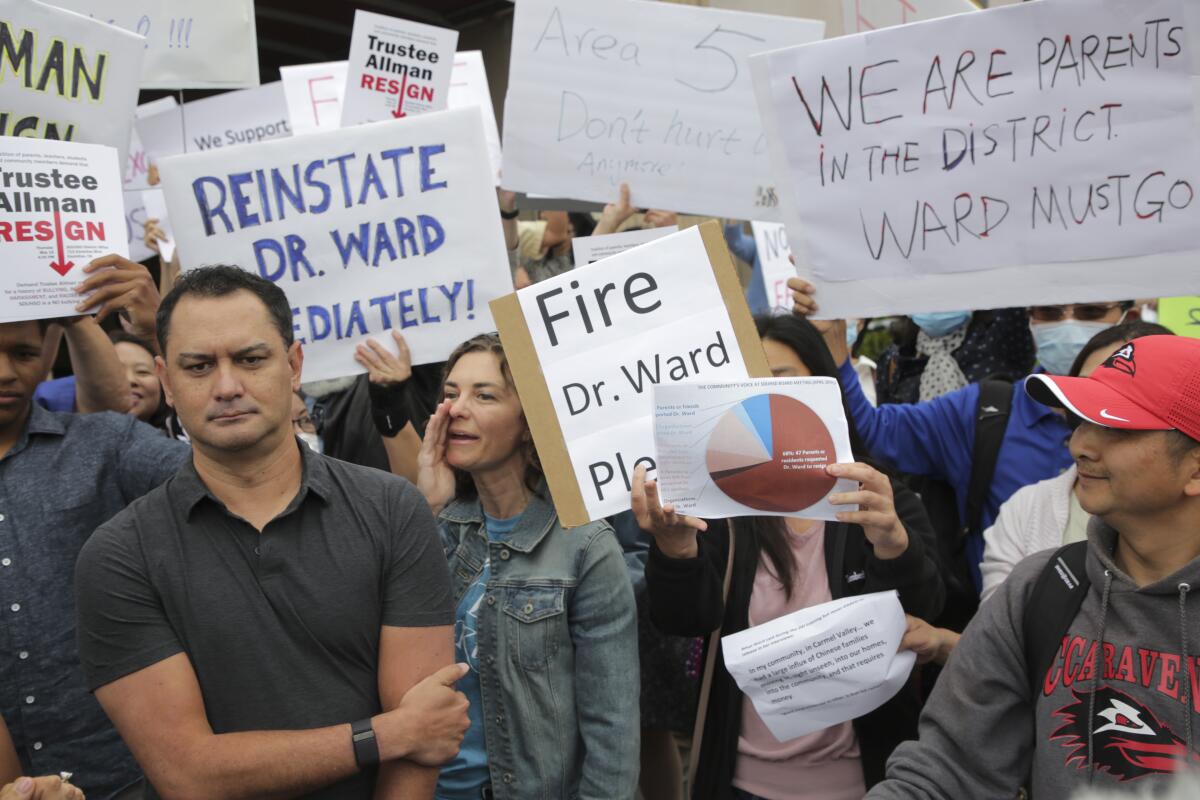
675	534
384	368
877	508
118	284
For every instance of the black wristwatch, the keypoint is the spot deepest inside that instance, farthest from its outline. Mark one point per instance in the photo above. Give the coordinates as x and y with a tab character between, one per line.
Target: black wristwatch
510	214
366	749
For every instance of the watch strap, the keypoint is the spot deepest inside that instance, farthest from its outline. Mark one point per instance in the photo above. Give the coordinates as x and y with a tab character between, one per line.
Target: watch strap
366	749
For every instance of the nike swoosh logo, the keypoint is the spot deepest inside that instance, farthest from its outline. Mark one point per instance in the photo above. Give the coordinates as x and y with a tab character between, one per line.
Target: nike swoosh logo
1104	413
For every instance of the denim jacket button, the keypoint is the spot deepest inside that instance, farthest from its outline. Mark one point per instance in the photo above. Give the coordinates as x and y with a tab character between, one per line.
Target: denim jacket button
491	660
491	600
504	554
529	608
508	778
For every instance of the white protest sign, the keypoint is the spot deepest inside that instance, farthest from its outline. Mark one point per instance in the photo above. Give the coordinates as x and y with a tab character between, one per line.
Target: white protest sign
390	225
770	239
588	249
156	208
871	15
654	94
136	178
1026	165
189	45
469	87
822	665
64	76
586	347
396	68
246	116
314	95
750	448
60	207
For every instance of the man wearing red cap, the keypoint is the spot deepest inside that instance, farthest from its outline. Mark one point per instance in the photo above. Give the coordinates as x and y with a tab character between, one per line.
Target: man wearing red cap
1117	704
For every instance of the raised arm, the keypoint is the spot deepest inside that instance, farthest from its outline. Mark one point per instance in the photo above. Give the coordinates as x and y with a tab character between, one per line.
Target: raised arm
388	374
100	382
407	656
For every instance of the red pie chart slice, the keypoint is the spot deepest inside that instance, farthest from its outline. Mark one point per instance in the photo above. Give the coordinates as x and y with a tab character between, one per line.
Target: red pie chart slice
783	472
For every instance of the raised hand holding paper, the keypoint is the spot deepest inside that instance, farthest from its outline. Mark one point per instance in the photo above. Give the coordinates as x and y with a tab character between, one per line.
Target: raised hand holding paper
821	665
396	68
391	225
60	207
588	249
1041	158
749	448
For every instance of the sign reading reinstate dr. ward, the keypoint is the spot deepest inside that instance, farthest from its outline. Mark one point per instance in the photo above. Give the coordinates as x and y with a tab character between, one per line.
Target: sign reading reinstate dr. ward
391	225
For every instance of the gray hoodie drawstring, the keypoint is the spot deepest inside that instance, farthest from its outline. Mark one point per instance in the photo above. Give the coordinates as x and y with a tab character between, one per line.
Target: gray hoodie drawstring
1097	665
1184	588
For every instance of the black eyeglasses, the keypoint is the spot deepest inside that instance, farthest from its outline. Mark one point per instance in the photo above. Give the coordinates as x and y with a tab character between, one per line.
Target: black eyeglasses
1084	312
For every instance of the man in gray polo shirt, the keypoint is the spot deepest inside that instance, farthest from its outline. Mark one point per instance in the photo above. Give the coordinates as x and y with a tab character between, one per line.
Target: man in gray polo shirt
269	621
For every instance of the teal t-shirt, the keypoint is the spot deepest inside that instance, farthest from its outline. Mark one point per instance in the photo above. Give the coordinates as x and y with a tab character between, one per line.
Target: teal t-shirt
467	774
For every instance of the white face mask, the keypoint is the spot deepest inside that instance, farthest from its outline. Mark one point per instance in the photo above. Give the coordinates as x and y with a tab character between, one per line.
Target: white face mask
312	440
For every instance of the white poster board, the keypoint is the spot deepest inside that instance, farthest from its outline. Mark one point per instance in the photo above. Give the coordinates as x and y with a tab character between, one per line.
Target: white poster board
51	233
156	208
313	93
390	225
587	347
189	45
821	665
774	256
587	249
751	448
1029	175
871	15
64	76
246	116
469	87
654	94
396	68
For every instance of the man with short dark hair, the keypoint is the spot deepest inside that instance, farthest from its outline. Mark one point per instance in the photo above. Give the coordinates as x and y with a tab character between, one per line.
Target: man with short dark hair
270	621
1119	699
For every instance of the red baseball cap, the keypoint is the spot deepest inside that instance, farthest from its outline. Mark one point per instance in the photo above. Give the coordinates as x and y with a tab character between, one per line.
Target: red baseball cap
1150	384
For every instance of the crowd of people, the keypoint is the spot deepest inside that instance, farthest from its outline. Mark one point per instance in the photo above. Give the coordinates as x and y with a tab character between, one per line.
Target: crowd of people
219	581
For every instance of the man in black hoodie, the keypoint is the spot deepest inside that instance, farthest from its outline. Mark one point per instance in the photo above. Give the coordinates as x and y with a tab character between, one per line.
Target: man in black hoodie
1117	705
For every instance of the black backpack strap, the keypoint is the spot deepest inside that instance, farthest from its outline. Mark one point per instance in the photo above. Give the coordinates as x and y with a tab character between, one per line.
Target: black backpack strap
991	420
1053	604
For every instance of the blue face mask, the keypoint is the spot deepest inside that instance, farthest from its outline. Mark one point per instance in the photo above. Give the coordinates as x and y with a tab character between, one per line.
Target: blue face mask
942	323
1059	343
851	333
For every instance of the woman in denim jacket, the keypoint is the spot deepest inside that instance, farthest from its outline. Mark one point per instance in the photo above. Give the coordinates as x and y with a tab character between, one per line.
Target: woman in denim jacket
545	616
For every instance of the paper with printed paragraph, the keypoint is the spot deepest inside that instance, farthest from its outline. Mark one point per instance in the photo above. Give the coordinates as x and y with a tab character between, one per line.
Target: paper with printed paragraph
751	448
588	249
823	665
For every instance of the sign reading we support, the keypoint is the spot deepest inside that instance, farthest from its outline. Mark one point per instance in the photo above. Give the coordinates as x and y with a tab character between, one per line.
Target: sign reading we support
586	347
60	207
64	76
1029	163
654	94
189	45
391	225
396	68
246	116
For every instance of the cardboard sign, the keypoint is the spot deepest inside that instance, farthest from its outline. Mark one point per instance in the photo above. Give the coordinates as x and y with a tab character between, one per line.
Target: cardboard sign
657	95
189	45
586	347
391	225
224	120
770	239
871	15
397	68
64	76
313	93
469	87
751	448
60	207
588	249
1181	315
1022	166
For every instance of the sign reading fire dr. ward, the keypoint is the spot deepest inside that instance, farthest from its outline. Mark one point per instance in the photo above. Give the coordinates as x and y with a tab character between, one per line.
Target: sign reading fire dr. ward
60	207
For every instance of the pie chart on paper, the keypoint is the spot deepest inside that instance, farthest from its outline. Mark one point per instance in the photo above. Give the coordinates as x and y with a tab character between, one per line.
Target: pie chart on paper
769	452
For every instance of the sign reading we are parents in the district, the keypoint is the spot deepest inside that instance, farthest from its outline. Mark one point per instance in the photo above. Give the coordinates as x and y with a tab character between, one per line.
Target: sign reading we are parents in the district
391	225
61	206
587	347
1028	154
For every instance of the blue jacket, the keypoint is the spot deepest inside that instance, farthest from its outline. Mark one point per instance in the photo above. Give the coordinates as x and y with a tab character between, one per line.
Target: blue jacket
936	438
557	636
